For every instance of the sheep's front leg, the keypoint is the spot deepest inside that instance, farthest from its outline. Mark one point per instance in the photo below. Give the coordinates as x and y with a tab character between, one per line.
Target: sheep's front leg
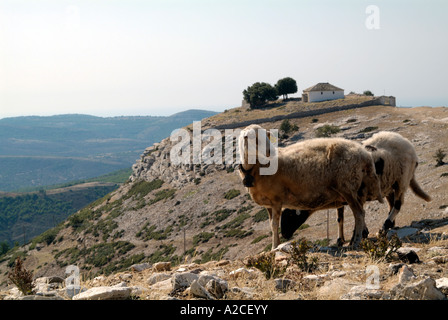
274	217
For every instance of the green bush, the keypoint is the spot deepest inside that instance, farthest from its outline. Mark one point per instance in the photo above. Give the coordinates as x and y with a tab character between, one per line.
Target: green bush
261	215
382	248
202	237
287	127
327	131
162	194
298	256
232	193
141	188
265	262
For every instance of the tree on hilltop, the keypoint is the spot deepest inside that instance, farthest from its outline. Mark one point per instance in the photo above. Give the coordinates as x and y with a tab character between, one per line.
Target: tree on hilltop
259	93
286	86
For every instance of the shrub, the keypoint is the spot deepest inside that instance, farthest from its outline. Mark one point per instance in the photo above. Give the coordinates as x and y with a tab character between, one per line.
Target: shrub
142	188
327	131
439	156
299	257
382	248
202	237
286	127
162	194
221	215
258	239
265	262
232	193
261	215
237	221
22	278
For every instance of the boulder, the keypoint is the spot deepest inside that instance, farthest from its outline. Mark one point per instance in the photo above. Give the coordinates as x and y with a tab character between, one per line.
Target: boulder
361	292
140	267
105	293
199	291
283	284
442	285
423	290
405	275
162	266
157	277
335	288
183	280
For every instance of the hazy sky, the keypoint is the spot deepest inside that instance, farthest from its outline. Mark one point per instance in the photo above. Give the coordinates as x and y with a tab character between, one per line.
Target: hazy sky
158	57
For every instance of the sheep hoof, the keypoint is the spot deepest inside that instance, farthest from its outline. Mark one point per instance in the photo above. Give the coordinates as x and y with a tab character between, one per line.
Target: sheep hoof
388	224
365	233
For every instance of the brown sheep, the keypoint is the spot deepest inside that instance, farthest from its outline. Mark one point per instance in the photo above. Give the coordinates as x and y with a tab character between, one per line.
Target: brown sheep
311	175
395	164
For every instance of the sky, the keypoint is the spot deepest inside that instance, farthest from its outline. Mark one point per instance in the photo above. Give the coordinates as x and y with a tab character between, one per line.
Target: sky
159	57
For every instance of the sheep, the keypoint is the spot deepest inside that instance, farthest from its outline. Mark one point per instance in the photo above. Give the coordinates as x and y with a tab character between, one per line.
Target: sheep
395	164
311	175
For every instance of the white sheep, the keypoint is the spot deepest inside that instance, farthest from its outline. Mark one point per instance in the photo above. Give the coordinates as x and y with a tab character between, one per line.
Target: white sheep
395	164
311	175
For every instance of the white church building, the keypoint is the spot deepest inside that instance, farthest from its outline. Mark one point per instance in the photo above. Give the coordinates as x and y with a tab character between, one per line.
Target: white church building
321	92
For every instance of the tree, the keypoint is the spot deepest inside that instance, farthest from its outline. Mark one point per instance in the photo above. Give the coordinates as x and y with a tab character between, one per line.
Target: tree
4	247
286	86
258	93
368	93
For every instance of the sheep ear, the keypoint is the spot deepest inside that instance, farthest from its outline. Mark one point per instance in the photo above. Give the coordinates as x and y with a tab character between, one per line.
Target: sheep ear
379	166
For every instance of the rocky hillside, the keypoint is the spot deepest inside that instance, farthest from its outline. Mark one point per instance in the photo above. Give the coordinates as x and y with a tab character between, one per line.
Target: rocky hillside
196	215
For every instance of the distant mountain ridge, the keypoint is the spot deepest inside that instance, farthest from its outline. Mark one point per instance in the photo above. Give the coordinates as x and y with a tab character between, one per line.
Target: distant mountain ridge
42	150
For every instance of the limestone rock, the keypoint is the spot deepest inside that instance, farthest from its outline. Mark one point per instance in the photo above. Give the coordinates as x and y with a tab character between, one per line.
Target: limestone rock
162	266
283	284
140	267
405	275
361	292
157	277
183	280
442	285
199	291
422	290
104	293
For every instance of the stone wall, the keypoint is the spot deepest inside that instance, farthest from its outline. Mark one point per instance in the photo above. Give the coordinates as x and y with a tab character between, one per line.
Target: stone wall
382	100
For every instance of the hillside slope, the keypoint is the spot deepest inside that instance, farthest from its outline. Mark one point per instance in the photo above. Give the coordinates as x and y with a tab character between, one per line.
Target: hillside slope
198	213
39	151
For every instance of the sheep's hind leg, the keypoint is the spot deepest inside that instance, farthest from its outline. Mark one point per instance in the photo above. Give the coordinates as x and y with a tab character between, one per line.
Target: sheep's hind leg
360	226
341	240
390	221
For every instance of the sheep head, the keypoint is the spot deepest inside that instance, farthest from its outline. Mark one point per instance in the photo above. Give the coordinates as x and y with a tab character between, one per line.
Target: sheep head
256	147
